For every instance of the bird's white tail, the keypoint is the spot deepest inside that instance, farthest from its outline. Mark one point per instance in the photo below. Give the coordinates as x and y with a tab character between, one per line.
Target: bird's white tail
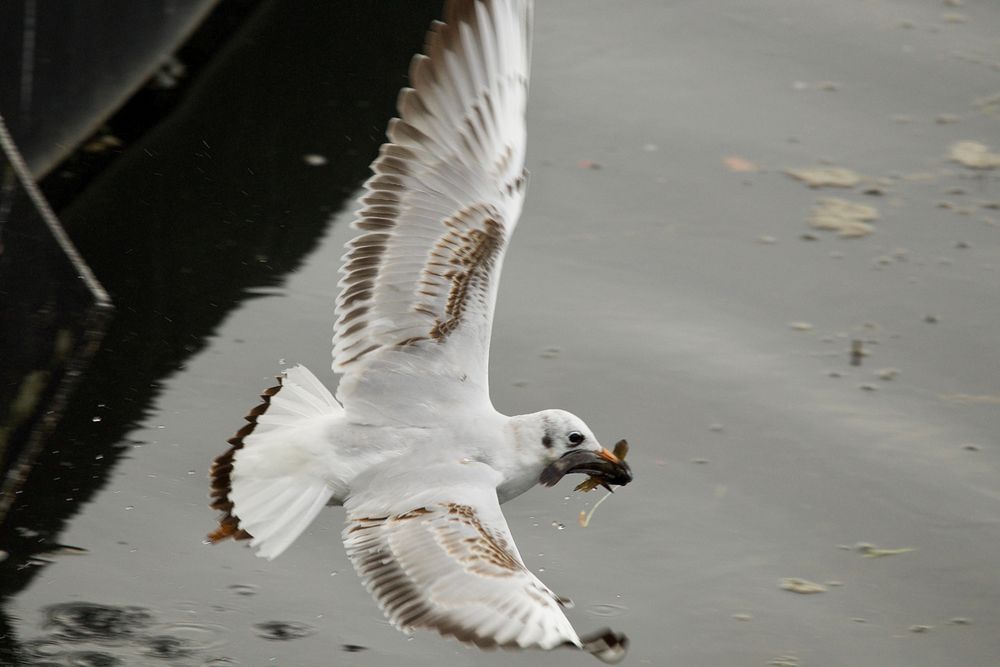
269	484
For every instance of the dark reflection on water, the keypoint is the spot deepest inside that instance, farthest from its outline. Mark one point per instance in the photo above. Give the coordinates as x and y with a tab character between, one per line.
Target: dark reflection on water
218	201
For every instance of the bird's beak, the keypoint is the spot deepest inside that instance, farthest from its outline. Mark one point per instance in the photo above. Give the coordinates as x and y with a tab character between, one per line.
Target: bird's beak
600	463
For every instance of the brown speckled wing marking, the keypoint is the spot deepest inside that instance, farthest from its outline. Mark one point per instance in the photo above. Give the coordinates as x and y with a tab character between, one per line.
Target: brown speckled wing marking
490	554
461	264
222	468
442	567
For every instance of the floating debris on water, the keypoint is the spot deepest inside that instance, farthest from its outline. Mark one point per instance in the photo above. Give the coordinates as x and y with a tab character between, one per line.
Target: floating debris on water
283	630
819	177
801	586
974	155
739	164
849	219
869	550
920	629
314	160
887	374
743	617
800	326
971	447
947	118
858	351
960	620
353	648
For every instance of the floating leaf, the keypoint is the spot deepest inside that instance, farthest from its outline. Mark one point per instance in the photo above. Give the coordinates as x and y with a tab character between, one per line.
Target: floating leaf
739	164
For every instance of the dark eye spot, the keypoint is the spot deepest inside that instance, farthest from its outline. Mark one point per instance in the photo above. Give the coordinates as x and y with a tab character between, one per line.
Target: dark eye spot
547	440
575	438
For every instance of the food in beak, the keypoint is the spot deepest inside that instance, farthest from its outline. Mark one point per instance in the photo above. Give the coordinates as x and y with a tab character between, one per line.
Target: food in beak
604	467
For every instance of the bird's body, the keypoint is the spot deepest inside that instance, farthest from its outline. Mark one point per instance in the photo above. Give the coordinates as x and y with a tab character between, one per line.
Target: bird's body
411	445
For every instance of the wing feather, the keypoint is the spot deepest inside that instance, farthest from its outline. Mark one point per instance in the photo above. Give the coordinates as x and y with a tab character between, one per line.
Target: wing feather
440	556
437	214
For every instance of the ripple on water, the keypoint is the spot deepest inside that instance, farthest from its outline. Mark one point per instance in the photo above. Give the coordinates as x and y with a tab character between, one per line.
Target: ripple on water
91	659
178	640
283	630
244	589
606	609
86	621
42	648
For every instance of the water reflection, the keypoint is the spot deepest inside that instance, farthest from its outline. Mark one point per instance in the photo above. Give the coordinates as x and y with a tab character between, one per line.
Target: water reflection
215	204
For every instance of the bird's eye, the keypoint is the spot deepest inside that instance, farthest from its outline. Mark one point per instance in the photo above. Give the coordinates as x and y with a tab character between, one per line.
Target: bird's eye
575	438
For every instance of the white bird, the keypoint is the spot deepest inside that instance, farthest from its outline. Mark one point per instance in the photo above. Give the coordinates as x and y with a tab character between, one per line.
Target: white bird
412	446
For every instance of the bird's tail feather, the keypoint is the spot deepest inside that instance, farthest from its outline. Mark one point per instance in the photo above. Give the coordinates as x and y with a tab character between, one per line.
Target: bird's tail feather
269	483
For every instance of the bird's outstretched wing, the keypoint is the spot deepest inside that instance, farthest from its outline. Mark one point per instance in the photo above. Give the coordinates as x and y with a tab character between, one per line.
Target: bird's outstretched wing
434	549
419	284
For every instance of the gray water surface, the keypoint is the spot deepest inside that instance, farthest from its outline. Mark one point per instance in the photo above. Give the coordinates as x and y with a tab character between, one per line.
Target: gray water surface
671	300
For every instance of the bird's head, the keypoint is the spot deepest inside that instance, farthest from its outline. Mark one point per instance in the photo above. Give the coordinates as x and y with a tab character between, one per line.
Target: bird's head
567	445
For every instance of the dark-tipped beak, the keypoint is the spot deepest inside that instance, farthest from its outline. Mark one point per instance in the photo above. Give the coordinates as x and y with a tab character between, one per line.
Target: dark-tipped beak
601	464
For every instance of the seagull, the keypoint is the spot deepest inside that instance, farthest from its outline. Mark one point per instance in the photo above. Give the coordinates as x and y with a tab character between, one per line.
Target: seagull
411	446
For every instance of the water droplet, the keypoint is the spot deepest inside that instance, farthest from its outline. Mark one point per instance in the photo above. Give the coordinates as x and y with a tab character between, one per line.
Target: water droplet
95	419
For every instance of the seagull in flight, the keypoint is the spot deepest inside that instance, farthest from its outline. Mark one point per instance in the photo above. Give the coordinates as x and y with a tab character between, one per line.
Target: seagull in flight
411	446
